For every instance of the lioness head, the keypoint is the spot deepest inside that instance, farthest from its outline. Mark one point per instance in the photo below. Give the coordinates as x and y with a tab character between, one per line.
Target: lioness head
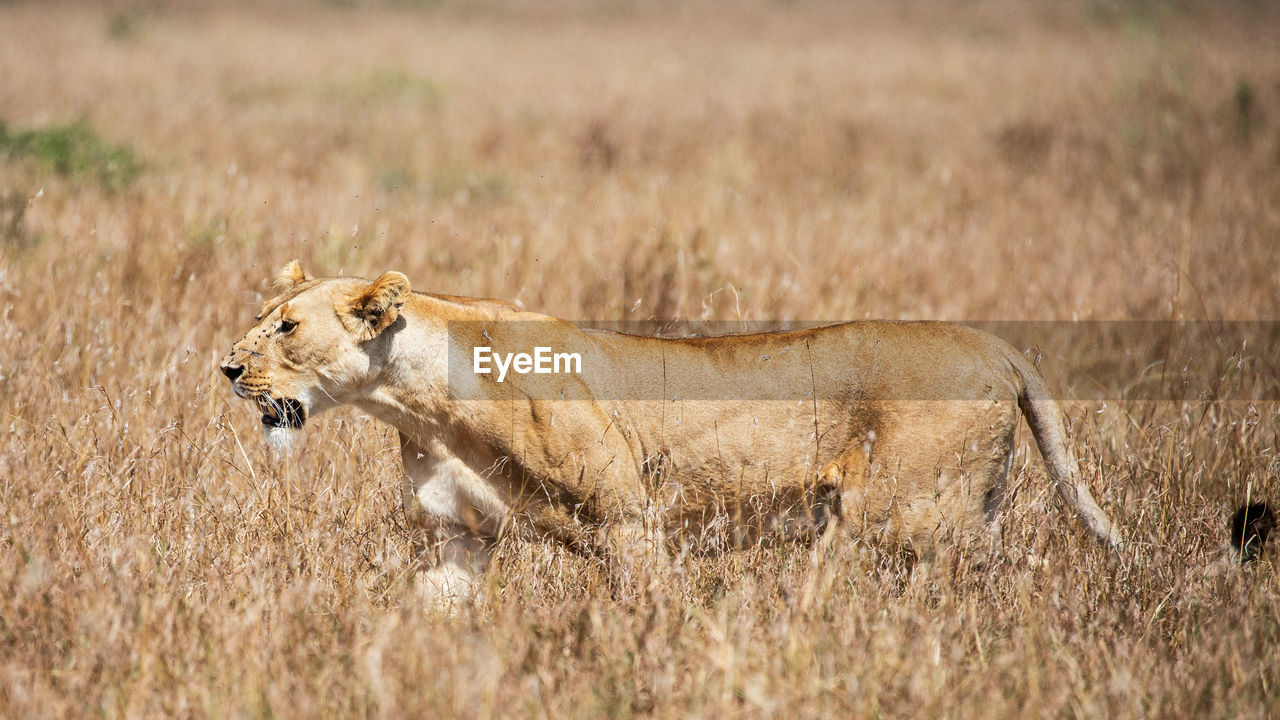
310	349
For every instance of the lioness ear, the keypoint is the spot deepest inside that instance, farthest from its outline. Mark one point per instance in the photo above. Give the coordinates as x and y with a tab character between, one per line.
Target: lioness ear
290	276
374	307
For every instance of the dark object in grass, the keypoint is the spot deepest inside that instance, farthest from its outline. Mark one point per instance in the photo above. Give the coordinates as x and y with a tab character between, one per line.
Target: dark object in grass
1250	527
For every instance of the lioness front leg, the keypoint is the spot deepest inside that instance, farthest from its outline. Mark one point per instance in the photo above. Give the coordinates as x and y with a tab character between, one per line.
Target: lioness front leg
634	556
452	565
453	511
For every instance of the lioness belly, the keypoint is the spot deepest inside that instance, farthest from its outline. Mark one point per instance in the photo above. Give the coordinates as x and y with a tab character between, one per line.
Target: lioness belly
914	471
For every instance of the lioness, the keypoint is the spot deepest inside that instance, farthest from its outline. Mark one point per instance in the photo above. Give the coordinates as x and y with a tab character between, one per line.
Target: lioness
903	430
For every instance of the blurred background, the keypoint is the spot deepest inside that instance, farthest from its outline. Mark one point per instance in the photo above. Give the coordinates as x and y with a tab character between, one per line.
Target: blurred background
989	160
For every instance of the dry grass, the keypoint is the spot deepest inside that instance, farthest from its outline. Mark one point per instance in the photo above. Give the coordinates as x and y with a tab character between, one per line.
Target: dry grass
614	161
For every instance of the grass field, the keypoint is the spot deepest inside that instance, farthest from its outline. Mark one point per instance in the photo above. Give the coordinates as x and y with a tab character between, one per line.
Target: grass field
612	160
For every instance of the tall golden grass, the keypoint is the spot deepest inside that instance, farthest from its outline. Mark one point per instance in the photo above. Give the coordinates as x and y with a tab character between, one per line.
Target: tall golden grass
610	160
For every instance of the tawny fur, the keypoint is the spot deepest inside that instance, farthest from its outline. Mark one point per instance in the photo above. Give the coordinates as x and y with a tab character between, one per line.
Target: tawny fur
903	430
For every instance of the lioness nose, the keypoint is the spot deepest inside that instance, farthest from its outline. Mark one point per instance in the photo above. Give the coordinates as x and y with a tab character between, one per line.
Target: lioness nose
232	371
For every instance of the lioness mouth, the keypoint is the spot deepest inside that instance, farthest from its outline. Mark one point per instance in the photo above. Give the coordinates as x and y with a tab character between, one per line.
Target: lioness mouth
281	413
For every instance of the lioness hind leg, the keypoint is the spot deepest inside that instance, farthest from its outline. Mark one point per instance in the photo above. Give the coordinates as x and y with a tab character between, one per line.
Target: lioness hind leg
842	483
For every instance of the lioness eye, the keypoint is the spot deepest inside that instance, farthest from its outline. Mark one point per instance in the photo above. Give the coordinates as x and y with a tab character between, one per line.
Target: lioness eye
287	326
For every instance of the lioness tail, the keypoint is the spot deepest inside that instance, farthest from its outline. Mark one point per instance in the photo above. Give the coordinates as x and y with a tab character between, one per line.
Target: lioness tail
1046	421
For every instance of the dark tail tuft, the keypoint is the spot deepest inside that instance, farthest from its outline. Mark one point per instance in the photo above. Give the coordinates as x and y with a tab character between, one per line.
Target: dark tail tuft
1249	529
